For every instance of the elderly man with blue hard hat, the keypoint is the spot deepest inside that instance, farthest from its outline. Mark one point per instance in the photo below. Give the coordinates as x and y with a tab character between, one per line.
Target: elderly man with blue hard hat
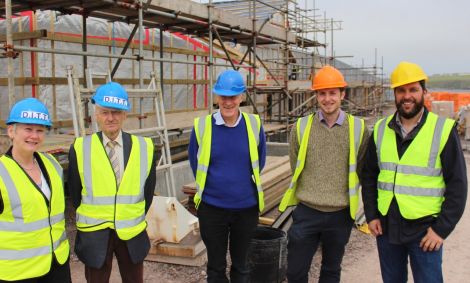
111	180
33	241
227	151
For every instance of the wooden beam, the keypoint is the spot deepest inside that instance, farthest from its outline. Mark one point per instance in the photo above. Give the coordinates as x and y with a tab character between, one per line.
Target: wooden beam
26	35
63	81
265	220
106	42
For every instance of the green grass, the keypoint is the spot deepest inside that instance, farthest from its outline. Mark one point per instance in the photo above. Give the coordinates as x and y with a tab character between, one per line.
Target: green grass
449	81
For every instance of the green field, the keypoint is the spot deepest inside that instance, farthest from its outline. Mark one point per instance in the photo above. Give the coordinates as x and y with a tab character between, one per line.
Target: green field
449	81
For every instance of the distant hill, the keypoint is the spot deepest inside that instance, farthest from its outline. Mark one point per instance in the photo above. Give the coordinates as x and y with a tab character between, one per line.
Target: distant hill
449	81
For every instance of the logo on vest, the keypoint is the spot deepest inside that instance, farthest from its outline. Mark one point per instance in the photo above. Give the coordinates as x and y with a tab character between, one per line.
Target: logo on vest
34	115
115	100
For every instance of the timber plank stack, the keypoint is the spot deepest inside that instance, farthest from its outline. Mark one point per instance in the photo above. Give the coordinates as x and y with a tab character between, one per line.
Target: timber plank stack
275	179
190	251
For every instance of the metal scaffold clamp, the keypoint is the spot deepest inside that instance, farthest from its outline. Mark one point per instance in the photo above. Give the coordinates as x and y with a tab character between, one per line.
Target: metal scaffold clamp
10	51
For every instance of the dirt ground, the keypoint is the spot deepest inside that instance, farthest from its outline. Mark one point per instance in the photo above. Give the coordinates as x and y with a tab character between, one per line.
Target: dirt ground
360	263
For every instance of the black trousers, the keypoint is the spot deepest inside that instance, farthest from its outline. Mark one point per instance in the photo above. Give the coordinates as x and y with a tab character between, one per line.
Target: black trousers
310	228
57	274
221	228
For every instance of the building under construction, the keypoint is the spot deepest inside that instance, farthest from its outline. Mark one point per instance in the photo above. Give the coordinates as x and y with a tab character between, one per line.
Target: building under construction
168	54
183	43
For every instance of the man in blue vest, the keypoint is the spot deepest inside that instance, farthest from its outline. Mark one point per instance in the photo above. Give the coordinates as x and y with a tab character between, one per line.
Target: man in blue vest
111	180
414	182
227	151
326	152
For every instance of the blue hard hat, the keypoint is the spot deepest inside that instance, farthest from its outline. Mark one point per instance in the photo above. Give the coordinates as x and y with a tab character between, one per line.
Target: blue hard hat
29	111
111	95
229	83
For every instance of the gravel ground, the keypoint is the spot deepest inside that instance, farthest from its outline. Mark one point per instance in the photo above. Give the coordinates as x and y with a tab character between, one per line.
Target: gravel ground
360	262
172	273
153	271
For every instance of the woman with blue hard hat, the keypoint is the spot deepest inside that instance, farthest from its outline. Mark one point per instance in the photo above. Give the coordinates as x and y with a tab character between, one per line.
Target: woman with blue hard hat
33	242
227	151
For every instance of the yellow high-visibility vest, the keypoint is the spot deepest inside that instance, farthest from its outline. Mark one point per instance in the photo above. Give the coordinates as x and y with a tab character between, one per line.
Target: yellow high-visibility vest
416	178
203	130
104	204
356	133
31	233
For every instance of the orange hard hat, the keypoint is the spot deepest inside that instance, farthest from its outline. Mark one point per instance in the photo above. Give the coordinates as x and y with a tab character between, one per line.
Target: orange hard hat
328	77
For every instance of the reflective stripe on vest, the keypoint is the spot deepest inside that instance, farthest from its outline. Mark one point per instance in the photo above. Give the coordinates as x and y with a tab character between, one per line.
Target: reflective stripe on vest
104	205
416	178
29	253
30	232
203	131
356	132
106	200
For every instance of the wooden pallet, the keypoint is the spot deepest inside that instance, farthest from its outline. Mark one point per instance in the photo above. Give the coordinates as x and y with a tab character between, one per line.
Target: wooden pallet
190	251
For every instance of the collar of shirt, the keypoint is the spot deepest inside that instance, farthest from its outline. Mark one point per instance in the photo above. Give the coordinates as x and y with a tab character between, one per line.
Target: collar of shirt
404	133
219	120
118	139
339	121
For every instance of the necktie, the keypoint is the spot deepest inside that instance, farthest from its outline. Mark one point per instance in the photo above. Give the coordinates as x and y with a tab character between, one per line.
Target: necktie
113	158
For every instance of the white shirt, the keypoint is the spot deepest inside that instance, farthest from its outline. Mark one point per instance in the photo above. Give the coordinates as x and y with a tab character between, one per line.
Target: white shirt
45	187
219	120
118	149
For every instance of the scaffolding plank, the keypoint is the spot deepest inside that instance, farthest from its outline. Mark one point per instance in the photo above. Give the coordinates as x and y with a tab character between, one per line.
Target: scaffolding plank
26	35
224	18
127	12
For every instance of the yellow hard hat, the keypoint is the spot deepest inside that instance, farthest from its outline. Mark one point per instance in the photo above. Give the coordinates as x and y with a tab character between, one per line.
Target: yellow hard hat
328	77
406	73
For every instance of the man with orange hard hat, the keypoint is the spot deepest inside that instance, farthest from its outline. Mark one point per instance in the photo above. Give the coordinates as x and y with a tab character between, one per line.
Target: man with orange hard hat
326	154
414	182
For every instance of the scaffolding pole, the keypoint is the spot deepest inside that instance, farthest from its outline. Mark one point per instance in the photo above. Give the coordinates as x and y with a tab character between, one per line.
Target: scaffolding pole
117	56
141	66
10	53
254	53
211	57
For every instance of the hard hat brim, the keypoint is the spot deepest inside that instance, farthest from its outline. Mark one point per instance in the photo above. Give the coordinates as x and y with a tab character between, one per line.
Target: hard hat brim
113	106
414	80
29	121
334	85
227	92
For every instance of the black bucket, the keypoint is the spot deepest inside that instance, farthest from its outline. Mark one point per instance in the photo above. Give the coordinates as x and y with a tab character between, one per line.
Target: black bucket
268	255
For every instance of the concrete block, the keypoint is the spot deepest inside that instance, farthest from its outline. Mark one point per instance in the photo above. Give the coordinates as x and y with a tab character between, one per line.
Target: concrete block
443	108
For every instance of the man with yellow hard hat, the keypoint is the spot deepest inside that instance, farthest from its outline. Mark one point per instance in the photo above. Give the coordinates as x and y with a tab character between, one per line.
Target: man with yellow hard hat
326	150
414	182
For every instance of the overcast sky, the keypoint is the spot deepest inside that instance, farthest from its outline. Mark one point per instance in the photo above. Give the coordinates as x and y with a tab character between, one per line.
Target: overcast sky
434	34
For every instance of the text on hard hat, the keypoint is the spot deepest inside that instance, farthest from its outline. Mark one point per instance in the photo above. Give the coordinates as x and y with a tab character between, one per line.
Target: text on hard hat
115	100
34	115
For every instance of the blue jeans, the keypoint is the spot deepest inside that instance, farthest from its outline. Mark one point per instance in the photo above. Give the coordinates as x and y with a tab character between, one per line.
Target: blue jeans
425	266
310	228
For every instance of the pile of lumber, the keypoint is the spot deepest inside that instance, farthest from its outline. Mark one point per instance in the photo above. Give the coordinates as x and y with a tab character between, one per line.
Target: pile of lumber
275	179
190	251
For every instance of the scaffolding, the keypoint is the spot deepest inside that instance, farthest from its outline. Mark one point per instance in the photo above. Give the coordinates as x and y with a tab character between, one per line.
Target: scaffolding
276	37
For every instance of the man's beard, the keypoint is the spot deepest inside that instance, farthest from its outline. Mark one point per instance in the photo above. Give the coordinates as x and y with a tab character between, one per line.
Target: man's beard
418	105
